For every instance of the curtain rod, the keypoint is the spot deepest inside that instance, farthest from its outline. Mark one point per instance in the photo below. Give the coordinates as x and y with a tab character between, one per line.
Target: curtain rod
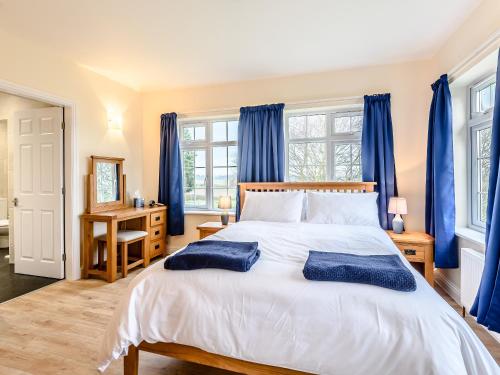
288	105
492	43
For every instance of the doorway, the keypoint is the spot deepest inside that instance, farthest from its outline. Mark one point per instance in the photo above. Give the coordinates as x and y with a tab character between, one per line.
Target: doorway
31	195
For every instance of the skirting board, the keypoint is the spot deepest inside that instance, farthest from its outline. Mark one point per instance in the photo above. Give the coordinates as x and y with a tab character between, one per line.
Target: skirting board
448	286
454	292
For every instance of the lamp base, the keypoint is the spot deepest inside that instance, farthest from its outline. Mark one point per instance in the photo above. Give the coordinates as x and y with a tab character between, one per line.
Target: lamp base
224	219
398	224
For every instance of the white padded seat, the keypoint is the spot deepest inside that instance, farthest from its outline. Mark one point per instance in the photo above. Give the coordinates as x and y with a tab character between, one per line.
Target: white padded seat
125	235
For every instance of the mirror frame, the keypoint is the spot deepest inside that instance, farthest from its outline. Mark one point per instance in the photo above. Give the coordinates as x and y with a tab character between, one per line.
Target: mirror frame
92	204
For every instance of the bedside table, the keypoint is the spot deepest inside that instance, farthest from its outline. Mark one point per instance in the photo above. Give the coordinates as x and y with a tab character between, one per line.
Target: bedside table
210	227
417	247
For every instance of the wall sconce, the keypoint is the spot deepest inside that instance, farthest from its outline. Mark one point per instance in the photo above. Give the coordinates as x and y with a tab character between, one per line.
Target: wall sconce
114	120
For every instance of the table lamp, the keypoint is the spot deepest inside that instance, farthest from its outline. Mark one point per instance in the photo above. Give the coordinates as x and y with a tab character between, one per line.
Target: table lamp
398	207
225	204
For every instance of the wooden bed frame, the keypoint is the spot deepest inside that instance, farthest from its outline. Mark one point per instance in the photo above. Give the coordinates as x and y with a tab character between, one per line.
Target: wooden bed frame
196	355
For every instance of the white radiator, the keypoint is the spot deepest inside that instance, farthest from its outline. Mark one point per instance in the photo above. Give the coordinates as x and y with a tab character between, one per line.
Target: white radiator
471	269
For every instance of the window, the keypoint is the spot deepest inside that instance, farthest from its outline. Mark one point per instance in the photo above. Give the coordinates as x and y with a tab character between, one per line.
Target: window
209	156
482	99
324	146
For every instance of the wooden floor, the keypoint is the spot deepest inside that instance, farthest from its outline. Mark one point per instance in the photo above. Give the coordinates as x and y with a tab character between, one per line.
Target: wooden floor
57	330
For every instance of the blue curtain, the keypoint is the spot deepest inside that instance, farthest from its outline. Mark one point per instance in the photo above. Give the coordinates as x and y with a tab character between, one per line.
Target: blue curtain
170	190
261	145
377	152
487	304
440	181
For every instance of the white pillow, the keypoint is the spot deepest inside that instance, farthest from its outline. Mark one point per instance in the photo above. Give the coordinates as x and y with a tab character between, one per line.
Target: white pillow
285	207
343	208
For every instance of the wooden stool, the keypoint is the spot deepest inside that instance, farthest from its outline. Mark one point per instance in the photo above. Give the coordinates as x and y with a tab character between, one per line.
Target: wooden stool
123	239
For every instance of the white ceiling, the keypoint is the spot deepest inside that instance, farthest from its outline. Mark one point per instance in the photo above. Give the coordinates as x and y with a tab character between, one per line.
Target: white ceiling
157	44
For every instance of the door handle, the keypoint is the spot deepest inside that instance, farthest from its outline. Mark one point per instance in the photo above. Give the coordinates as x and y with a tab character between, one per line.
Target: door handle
15	201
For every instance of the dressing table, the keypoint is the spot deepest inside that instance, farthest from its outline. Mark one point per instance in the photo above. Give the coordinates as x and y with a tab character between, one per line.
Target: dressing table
106	190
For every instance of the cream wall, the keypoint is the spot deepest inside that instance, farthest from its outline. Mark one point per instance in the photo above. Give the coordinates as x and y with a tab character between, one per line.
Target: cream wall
409	85
29	65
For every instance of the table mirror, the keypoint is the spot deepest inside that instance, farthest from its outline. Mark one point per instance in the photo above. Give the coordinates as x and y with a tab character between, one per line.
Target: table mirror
106	188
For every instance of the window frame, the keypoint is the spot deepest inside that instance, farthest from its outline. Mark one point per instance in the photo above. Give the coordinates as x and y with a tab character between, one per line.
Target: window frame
207	145
476	121
331	138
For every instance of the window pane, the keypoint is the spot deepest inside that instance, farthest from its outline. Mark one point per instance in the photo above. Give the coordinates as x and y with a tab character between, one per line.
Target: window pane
200	197
316	126
219	131
484	175
219	156
231	178
188	177
189	198
484	142
188	134
342	125
347	162
356	154
232	155
199	133
199	158
342	154
307	161
315	153
483	206
356	123
200	177
297	127
219	177
188	159
232	131
485	98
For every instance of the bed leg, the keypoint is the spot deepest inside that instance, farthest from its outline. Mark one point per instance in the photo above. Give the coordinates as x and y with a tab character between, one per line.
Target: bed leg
131	361
463	311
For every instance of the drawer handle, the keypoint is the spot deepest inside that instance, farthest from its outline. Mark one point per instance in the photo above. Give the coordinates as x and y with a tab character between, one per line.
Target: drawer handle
157	232
410	252
157	247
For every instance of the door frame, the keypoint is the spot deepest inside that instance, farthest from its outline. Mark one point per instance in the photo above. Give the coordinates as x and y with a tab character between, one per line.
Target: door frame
72	188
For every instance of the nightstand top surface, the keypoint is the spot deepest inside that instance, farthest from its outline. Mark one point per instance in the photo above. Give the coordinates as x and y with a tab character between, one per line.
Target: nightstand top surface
212	225
413	237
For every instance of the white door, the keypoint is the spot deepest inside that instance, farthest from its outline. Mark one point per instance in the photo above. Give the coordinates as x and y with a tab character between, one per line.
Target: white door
38	196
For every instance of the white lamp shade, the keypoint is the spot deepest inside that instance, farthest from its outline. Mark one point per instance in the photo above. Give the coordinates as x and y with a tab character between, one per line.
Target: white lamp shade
225	202
398	206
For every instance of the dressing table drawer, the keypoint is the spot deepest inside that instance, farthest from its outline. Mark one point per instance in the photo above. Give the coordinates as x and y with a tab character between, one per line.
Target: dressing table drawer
157	218
157	233
156	248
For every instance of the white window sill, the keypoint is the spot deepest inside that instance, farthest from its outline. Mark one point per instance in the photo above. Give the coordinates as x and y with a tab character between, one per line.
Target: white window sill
206	213
471	235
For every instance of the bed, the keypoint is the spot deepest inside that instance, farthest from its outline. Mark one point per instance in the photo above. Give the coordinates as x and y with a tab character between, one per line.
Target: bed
271	320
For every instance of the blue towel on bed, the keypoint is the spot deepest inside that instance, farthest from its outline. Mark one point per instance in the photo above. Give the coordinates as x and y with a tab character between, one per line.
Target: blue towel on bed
227	255
386	271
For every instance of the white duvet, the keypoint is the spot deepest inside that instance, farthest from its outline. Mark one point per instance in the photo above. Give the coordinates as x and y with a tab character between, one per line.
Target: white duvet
273	315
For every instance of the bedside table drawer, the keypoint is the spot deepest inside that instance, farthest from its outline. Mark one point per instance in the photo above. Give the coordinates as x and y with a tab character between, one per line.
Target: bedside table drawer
412	252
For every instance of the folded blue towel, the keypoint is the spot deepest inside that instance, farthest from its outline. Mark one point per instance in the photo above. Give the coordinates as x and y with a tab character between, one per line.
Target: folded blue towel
227	255
386	271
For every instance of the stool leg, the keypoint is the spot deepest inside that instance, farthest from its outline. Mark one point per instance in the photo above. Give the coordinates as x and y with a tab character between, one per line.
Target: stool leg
100	254
143	251
124	259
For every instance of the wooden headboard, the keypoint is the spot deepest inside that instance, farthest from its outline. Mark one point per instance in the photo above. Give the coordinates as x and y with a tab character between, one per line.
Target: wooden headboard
341	187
